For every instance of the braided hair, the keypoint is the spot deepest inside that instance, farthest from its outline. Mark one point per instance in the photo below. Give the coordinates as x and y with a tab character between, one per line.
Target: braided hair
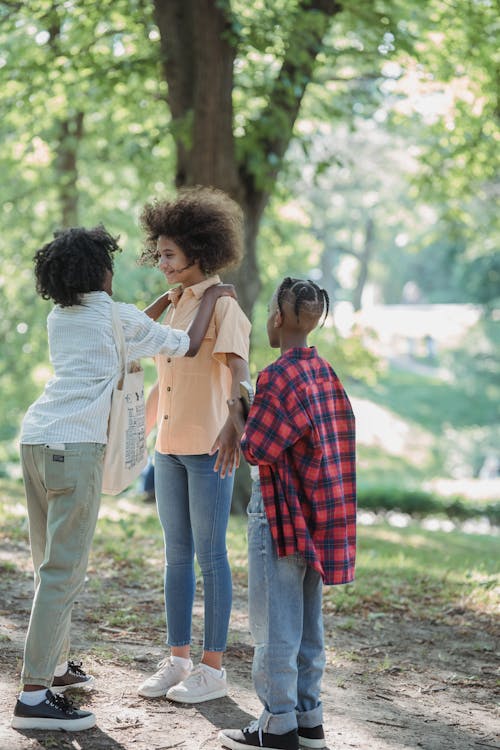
303	294
75	262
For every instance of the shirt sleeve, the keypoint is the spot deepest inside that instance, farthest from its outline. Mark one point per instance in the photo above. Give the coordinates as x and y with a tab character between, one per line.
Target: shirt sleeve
145	337
233	330
270	428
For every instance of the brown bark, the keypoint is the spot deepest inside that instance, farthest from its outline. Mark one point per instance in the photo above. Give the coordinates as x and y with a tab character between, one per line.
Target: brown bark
198	66
69	137
364	261
70	134
198	59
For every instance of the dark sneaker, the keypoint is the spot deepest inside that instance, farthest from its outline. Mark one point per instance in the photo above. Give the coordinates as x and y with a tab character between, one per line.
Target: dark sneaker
253	736
312	737
74	677
54	712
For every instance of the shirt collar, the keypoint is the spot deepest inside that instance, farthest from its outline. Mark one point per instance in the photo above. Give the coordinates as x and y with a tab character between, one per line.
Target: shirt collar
197	290
93	298
300	352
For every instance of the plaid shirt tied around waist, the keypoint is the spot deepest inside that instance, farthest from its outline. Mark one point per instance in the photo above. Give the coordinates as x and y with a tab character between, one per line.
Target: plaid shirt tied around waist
301	433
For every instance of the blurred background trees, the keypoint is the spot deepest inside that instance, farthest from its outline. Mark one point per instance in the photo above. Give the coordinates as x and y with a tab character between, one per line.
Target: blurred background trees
360	140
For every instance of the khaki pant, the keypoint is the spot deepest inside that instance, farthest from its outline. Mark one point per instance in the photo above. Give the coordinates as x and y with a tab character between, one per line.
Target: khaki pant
63	493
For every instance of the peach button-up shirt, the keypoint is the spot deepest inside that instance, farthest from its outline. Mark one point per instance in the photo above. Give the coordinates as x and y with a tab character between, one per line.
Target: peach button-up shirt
193	391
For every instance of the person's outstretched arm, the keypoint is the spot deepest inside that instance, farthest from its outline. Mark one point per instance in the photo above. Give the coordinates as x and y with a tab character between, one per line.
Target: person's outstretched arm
156	308
198	327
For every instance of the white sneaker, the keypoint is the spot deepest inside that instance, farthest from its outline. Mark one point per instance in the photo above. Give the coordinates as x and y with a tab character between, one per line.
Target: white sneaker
201	685
168	674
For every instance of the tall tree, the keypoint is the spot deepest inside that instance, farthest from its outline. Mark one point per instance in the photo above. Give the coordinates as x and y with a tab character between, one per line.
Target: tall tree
199	44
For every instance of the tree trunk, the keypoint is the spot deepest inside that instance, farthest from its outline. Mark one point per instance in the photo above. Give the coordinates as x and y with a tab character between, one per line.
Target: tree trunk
364	259
198	58
70	135
198	65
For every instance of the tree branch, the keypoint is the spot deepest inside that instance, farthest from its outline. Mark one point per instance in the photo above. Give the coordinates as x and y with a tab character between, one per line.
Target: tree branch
271	133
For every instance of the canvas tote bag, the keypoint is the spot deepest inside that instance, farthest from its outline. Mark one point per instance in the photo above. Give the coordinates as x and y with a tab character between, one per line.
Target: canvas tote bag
125	455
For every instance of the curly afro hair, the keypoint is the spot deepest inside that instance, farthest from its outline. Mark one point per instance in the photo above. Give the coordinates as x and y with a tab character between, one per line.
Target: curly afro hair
303	295
75	262
204	222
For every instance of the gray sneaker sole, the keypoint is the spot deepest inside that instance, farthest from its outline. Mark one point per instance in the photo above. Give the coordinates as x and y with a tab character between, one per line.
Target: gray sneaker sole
68	725
85	685
198	699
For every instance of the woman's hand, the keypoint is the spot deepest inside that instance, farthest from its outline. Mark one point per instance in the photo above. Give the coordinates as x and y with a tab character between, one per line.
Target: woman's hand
220	290
228	446
175	294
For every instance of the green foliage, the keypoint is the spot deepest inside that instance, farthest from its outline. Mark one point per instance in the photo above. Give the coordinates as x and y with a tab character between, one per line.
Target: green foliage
61	62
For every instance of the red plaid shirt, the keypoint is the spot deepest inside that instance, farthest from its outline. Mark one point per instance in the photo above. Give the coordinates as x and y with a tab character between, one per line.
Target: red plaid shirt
300	432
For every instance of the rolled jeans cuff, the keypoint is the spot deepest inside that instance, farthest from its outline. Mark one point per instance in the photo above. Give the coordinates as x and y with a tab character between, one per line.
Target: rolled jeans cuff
278	723
312	718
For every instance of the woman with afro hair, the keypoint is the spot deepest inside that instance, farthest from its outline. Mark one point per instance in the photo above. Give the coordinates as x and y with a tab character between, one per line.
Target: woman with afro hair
191	239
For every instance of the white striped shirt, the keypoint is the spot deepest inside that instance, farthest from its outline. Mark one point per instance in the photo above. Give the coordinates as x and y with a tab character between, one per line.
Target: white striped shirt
75	404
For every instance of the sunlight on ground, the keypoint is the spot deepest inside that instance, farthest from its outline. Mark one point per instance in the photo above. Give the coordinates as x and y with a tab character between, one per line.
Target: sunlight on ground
397	325
120	508
380	427
475	489
399	520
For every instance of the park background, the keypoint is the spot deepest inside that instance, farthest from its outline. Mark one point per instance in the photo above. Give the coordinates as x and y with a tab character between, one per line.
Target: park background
361	141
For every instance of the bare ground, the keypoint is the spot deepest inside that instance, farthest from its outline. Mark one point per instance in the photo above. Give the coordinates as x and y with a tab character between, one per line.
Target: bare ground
392	681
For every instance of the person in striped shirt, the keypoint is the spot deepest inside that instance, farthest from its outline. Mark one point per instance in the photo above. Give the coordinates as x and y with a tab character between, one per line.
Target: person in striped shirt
299	439
63	439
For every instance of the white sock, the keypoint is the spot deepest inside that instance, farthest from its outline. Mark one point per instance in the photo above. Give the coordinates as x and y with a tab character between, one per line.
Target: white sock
32	697
181	661
61	669
212	670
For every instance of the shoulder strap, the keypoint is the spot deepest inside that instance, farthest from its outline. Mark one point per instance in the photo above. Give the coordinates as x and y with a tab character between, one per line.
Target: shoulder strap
119	336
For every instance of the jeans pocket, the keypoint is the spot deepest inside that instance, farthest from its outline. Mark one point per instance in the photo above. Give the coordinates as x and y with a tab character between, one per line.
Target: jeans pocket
255	505
61	470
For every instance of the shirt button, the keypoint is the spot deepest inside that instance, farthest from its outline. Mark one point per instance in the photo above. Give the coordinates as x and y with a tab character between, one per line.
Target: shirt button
166	416
168	388
169	359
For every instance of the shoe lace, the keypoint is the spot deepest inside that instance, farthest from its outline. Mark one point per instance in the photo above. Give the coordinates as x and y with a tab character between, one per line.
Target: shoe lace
76	668
196	677
60	702
164	665
254	727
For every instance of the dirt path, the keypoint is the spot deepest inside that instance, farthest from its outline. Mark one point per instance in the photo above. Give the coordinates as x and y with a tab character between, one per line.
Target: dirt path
391	682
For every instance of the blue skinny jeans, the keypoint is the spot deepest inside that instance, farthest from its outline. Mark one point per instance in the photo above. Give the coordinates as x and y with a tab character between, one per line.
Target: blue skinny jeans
193	505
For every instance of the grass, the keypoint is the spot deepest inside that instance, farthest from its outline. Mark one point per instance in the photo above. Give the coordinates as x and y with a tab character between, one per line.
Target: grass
457	420
429	402
426	574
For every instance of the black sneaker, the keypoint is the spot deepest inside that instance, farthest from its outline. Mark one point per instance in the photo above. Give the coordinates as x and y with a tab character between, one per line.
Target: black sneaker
253	736
312	737
54	712
74	677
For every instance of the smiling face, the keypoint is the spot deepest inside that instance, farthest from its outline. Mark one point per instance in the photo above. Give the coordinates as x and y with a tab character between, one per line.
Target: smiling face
175	264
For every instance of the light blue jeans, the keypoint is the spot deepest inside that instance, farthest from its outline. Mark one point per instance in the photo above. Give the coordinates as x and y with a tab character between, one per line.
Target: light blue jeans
193	505
286	623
